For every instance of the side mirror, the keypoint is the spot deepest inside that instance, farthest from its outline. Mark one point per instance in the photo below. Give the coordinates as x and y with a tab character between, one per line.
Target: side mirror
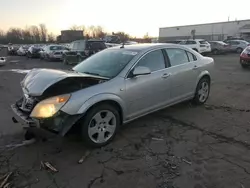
141	71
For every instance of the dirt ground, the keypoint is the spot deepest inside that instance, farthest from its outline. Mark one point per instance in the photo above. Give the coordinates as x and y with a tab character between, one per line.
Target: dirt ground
183	146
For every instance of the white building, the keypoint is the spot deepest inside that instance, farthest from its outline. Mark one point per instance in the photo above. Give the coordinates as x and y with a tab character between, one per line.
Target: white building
209	31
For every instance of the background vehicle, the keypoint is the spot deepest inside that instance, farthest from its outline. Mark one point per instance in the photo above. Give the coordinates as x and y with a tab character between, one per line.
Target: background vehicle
33	52
12	50
219	47
199	45
81	49
2	61
22	51
237	45
174	41
112	39
114	87
245	57
53	52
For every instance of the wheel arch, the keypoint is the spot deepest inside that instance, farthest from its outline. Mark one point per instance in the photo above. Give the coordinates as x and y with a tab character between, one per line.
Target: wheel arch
111	99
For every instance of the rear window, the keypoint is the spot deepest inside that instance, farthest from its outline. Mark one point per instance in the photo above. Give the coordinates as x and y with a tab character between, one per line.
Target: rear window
203	42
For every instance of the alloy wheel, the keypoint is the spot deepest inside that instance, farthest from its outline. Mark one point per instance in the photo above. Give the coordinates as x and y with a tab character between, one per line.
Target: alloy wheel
102	126
203	92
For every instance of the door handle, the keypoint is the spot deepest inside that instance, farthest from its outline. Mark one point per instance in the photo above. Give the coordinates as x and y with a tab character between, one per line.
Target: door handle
166	75
195	67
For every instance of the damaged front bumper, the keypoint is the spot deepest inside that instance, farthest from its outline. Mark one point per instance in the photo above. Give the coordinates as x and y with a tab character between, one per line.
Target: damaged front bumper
59	124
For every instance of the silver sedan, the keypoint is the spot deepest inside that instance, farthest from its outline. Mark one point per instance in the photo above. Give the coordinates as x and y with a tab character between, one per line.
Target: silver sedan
113	87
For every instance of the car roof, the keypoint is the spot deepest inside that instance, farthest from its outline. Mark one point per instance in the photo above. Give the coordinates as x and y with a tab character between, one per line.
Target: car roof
90	40
147	46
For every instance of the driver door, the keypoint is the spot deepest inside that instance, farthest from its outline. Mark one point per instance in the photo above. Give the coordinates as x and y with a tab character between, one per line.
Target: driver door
146	93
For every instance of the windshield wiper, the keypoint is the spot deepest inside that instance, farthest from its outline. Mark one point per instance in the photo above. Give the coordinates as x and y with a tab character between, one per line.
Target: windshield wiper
92	73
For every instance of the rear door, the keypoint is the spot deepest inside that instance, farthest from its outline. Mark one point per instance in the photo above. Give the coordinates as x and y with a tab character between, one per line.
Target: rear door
184	73
148	92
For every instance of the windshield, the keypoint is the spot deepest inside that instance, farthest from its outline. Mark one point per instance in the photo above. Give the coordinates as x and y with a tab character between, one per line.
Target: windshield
107	63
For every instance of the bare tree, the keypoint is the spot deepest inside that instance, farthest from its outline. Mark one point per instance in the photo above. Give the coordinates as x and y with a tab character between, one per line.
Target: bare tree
14	35
35	33
51	37
43	32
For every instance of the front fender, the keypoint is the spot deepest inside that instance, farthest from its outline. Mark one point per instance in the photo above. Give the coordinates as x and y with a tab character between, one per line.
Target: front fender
102	97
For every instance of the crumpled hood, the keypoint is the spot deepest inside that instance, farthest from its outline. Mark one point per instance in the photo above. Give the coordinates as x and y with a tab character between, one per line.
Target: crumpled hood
38	80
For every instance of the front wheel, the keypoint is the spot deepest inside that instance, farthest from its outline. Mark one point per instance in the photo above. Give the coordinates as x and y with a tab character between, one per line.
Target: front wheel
202	91
100	125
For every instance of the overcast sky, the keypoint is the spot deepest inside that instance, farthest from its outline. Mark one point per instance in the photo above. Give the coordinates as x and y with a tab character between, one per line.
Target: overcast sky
136	17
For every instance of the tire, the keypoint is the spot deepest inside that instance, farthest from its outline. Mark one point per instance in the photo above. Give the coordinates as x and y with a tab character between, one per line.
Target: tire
65	62
95	120
215	52
239	50
79	59
202	91
29	135
244	66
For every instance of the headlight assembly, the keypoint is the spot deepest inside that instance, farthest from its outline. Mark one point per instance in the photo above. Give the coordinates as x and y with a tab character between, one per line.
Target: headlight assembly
48	107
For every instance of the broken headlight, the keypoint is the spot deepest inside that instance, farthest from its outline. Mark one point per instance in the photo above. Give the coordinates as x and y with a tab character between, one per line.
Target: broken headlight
48	107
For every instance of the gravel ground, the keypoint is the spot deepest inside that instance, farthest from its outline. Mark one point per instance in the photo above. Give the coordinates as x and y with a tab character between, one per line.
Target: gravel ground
183	146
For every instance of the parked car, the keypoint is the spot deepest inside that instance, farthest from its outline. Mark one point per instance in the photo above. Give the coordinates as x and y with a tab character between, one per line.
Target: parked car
174	41
245	57
53	52
199	45
34	52
2	61
233	38
219	47
22	51
237	45
112	39
81	49
111	88
12	50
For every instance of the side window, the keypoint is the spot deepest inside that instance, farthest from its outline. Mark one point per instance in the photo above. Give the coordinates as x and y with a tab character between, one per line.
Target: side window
191	56
153	60
190	42
177	56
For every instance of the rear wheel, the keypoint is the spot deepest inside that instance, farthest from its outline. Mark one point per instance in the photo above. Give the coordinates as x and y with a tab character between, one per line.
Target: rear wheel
202	91
239	50
100	125
215	52
244	66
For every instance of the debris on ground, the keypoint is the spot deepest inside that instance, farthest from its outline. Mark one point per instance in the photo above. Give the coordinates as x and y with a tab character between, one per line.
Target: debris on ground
157	139
4	179
184	160
24	143
47	165
84	157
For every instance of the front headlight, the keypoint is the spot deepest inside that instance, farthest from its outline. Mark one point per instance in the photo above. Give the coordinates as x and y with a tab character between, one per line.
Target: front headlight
48	107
